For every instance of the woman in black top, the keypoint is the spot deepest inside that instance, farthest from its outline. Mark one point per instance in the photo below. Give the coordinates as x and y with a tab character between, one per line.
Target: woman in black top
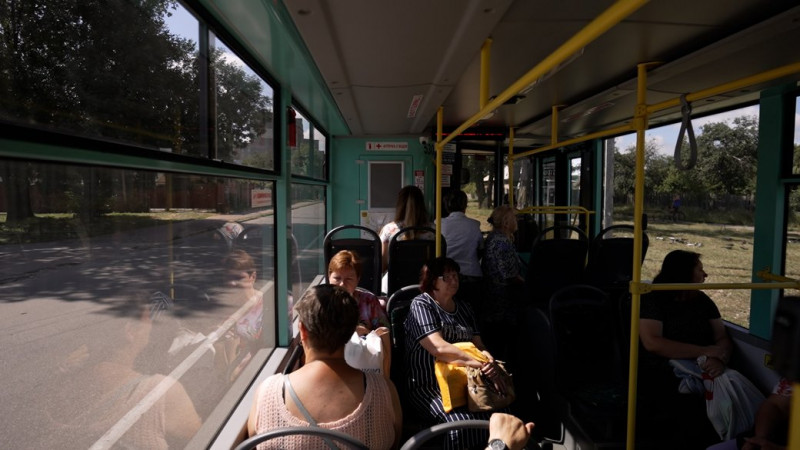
679	325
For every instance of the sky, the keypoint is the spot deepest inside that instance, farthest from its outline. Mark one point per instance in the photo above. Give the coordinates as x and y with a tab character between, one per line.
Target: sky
666	136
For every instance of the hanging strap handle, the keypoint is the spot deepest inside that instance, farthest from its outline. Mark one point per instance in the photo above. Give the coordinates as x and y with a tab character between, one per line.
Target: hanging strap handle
686	126
288	387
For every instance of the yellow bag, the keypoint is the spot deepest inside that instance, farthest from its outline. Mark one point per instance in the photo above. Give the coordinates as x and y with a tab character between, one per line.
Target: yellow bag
453	379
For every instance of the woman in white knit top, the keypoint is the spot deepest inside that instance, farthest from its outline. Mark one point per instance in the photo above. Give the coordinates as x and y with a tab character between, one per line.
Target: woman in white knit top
337	397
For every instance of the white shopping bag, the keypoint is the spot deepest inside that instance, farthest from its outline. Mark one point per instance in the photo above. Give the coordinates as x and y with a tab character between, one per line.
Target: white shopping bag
364	353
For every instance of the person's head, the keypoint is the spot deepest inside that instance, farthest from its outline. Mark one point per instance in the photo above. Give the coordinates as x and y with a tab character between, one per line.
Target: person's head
440	274
239	268
457	201
504	220
344	270
681	266
328	315
410	208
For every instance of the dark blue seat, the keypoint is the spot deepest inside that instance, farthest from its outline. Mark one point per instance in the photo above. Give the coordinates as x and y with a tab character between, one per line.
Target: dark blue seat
365	243
591	372
407	256
610	264
558	259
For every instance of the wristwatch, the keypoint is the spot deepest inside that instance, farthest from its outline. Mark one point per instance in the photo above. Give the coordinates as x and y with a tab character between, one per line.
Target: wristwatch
497	444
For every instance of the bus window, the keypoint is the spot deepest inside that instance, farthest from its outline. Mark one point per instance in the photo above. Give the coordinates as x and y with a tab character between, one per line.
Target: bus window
116	282
796	152
308	232
480	187
708	208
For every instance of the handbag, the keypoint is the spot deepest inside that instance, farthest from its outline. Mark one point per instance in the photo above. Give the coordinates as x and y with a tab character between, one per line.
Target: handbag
481	393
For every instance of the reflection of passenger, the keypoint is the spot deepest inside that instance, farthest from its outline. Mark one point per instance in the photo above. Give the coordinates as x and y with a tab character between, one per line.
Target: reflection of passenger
101	396
327	391
240	343
229	232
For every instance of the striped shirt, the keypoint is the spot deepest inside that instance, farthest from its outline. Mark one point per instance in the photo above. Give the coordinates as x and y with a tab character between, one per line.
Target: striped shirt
425	318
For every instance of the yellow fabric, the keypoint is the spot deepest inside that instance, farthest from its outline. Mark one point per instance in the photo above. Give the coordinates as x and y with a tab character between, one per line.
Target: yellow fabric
453	379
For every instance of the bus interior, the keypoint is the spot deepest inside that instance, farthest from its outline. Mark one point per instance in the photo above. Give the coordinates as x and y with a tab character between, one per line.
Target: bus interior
145	146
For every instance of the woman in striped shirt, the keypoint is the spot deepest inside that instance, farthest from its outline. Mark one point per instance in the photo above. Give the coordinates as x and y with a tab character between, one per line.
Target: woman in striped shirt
435	321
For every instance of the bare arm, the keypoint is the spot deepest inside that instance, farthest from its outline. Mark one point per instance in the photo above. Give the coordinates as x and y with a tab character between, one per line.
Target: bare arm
770	423
722	340
444	351
251	419
509	429
715	365
651	333
476	339
182	420
385	255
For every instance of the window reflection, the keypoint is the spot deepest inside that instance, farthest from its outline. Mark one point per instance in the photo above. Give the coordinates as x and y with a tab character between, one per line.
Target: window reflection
118	293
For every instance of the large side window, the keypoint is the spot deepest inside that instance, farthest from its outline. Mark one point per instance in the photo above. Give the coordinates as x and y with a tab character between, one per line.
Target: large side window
707	208
792	239
121	288
130	72
74	67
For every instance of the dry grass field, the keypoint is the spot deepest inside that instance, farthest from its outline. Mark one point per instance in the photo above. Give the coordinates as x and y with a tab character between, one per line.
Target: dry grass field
727	255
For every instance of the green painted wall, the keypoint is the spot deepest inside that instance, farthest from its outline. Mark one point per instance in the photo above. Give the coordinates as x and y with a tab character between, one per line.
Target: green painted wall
349	158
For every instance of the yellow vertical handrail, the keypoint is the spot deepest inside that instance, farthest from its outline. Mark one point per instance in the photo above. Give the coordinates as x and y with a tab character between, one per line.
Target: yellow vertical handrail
794	418
511	167
602	23
640	124
439	150
486	52
554	125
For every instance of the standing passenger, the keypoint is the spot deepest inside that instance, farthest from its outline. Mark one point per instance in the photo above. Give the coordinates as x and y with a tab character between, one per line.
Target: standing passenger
464	245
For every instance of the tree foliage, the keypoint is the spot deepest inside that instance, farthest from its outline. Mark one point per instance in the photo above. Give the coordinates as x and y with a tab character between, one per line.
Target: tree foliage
113	69
726	164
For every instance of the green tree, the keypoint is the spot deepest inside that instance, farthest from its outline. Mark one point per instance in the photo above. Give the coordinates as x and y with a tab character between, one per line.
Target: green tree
727	156
656	169
112	69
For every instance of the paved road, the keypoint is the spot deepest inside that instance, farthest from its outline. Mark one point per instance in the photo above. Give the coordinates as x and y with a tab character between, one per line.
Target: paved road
59	296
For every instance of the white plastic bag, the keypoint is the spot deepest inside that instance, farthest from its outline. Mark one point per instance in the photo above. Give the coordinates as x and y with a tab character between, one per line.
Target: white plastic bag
364	353
731	399
731	403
